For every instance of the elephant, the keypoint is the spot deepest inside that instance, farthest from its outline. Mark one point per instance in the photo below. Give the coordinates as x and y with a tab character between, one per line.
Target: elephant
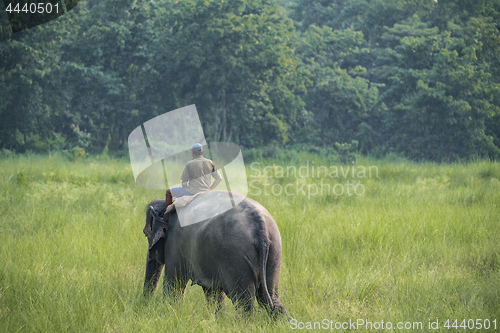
236	253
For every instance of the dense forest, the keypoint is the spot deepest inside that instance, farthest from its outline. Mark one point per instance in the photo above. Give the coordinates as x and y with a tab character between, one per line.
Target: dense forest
418	78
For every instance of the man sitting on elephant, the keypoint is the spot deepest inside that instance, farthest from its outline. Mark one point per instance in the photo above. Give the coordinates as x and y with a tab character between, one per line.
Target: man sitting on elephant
198	172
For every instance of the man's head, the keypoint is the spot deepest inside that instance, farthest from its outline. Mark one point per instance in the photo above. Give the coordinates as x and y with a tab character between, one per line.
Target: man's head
197	149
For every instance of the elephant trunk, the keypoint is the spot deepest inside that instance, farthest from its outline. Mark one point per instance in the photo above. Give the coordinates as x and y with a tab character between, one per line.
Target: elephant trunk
156	256
153	272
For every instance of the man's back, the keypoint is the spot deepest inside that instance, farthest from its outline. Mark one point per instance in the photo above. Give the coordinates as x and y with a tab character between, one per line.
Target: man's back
198	172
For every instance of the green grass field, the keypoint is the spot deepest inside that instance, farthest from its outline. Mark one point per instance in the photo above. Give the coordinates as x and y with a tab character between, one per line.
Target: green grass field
420	244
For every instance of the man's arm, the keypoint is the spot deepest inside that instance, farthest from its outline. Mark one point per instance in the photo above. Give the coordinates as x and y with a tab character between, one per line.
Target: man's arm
217	177
215	183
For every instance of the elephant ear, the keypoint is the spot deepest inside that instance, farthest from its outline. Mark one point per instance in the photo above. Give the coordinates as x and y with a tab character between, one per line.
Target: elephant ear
158	229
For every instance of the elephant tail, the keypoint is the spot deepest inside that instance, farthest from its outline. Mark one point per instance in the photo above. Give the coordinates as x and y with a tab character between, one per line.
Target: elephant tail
263	253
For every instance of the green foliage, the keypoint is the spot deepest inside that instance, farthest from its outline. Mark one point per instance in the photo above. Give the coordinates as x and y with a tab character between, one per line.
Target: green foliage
418	78
339	99
347	151
21	179
78	153
433	79
235	61
437	94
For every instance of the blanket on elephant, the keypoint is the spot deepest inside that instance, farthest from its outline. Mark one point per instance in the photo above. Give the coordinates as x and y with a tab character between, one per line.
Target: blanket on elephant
180	202
204	205
184	200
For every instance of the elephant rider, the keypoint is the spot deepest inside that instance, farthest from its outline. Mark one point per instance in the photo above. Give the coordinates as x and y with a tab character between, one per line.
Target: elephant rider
196	178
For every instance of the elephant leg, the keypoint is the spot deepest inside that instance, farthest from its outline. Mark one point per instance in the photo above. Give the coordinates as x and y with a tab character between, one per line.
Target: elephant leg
173	286
279	309
261	298
215	296
276	310
243	297
153	272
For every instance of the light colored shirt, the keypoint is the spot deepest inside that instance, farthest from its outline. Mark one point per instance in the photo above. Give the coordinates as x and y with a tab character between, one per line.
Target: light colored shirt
199	172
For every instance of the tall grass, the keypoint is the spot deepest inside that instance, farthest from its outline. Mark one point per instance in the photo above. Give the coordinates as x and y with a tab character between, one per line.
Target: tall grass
421	243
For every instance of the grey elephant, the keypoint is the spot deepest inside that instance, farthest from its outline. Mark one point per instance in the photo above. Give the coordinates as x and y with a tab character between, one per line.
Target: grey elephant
236	253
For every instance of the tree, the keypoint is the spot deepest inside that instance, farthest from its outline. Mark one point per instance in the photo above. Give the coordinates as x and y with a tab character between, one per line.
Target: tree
438	97
235	61
105	86
28	82
340	99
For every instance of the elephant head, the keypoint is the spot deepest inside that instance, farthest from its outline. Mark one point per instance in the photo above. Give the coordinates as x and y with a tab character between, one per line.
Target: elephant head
155	231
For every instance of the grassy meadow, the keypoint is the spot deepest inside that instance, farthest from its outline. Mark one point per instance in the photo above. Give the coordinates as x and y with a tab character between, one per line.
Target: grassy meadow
420	243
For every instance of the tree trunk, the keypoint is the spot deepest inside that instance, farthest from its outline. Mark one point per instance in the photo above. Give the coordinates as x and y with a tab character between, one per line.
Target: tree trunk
13	141
216	126
224	136
230	133
448	144
122	136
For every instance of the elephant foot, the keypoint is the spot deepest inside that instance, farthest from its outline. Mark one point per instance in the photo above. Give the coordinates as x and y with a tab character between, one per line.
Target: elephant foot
215	297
